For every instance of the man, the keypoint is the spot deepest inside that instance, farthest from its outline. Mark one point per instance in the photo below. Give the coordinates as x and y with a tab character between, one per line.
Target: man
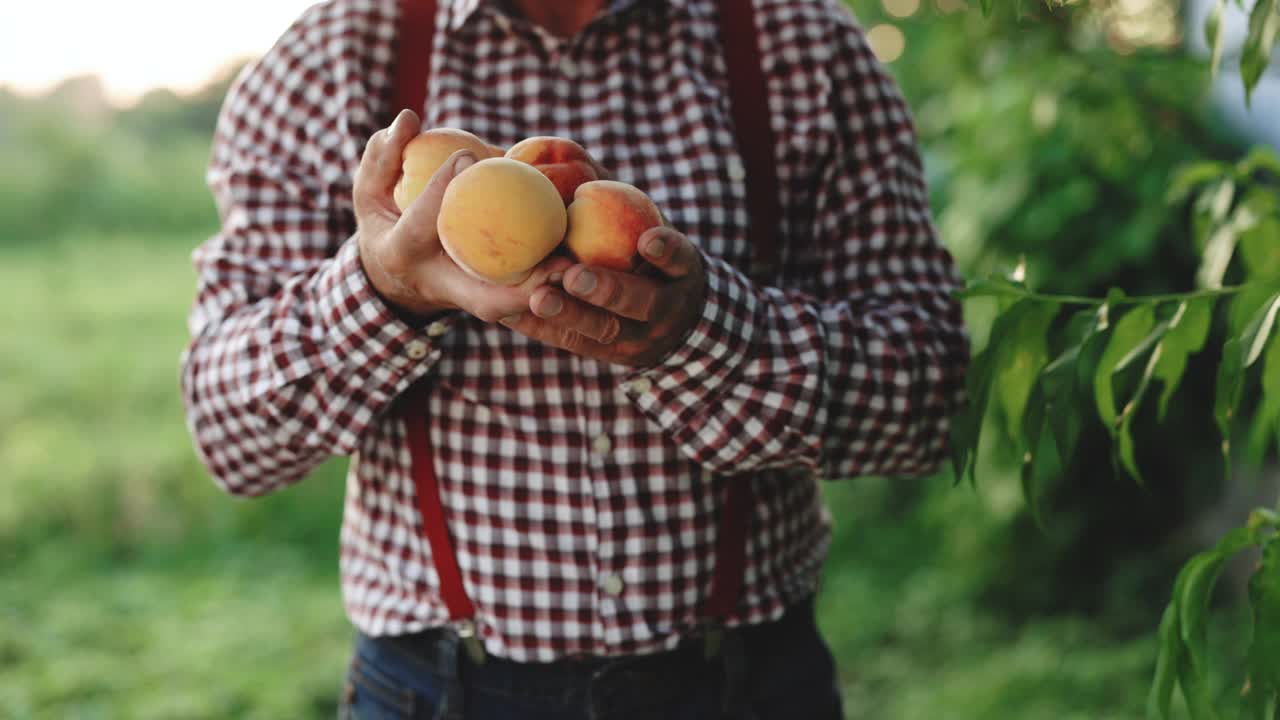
548	473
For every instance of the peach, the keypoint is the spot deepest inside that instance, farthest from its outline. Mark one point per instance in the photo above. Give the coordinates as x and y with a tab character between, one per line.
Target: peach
563	161
606	219
499	218
426	153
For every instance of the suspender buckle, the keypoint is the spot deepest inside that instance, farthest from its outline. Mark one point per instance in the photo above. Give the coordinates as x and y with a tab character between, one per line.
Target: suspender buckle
471	641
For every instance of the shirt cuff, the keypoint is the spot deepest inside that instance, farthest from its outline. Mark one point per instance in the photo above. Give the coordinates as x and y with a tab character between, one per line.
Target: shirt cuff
711	354
367	336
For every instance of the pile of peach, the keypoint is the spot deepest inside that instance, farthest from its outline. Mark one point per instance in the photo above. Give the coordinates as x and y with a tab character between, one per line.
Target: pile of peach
509	211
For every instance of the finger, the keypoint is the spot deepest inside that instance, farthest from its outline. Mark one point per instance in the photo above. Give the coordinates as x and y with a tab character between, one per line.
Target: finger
381	162
493	302
625	294
547	332
567	313
550	271
419	219
670	251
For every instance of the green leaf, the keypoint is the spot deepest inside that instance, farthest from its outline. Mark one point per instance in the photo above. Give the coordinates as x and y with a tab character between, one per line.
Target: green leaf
1092	346
1264	598
994	286
1260	249
1033	422
1193	176
1058	383
1246	304
966	425
1196	582
1213	33
1227	394
1171	650
1218	251
1124	449
1193	605
986	7
1260	159
1199	701
966	432
1258	331
1255	705
1264	25
1268	417
1188	331
1022	356
1218	199
1127	334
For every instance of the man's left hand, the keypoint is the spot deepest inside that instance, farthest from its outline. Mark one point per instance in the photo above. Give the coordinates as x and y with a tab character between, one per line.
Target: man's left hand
624	318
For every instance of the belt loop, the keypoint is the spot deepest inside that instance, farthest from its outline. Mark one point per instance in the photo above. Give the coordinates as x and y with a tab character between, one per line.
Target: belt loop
452	705
712	640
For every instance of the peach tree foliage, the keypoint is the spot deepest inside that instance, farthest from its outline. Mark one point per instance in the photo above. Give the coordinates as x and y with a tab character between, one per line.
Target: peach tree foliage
1053	362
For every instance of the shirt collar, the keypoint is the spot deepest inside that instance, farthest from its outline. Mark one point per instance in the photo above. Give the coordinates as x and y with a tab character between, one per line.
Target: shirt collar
461	10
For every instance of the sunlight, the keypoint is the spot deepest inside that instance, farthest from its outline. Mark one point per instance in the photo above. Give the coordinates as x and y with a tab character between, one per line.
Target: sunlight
134	45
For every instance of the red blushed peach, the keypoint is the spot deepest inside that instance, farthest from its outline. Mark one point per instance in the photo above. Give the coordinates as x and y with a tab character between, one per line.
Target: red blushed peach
606	219
426	153
565	163
499	219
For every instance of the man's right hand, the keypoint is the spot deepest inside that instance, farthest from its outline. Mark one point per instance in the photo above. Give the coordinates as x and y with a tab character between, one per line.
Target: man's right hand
402	254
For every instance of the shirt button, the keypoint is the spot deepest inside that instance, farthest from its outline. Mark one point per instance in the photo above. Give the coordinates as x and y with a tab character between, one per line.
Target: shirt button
601	445
640	385
737	172
416	349
437	328
612	585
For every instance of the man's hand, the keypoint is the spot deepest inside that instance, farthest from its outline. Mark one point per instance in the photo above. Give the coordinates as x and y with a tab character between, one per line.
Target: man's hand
631	319
402	255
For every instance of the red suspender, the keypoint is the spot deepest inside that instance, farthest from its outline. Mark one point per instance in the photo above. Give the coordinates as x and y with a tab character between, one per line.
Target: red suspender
413	72
754	139
749	101
413	54
427	488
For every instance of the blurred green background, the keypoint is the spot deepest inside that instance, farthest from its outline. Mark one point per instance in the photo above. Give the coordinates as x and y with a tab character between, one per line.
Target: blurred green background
131	588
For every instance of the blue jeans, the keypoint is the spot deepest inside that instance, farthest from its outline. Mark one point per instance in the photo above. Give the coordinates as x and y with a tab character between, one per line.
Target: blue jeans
788	671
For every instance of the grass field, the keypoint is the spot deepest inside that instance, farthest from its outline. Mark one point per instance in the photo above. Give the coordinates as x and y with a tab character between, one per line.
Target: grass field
131	588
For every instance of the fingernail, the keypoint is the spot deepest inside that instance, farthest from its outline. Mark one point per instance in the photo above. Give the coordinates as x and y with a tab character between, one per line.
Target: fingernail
464	161
555	278
585	283
655	246
551	306
510	319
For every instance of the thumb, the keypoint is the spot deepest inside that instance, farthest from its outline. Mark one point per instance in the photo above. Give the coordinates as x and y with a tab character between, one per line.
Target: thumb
380	164
419	219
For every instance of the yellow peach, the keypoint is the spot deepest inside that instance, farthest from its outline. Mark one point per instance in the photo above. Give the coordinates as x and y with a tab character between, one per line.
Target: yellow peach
606	219
426	153
499	218
563	161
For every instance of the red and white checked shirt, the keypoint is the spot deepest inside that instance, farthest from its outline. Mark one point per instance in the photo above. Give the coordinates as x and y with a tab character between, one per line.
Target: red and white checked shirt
581	496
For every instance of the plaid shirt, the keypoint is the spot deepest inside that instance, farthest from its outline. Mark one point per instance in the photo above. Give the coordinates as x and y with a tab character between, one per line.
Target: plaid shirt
581	496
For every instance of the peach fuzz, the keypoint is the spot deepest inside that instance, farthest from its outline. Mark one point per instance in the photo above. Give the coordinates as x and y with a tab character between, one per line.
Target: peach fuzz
563	161
606	219
499	218
426	153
